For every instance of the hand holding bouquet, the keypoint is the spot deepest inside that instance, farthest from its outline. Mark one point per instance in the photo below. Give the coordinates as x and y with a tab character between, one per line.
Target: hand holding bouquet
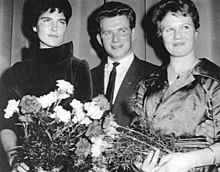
56	139
86	137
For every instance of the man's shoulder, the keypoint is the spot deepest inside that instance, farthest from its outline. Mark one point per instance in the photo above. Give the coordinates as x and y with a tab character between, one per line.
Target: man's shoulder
144	65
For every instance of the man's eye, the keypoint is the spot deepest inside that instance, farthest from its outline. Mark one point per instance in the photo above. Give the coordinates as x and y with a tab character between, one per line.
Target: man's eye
122	31
185	27
106	33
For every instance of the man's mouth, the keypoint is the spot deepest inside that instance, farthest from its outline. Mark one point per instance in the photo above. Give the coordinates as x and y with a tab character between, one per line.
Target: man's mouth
117	46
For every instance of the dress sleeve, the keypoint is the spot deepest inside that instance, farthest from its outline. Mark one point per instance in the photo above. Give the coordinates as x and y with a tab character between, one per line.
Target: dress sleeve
139	98
8	91
83	82
216	108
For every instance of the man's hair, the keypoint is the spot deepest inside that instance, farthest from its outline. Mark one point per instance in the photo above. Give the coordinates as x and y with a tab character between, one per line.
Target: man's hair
41	6
112	9
176	7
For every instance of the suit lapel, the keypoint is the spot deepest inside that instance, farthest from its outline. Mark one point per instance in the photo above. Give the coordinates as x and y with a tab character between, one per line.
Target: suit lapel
129	81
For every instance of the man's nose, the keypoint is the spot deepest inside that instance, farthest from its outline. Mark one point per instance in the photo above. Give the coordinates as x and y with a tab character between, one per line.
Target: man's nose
115	37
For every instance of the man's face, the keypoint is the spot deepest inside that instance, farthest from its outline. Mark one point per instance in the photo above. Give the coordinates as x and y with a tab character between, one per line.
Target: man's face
116	36
178	34
51	29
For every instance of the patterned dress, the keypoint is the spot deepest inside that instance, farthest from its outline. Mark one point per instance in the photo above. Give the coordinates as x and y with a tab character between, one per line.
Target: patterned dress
179	108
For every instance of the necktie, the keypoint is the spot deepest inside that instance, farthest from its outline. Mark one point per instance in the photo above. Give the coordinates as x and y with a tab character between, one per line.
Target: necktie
111	83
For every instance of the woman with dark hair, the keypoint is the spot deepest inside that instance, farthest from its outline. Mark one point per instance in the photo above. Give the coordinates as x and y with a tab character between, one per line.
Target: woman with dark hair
180	96
37	75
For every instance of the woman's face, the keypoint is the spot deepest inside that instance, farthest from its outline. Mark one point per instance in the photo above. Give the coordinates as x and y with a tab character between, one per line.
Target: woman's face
51	28
178	34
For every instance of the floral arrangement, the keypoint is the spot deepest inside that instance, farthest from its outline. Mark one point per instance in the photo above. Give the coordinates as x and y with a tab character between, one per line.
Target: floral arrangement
83	136
127	145
133	144
57	139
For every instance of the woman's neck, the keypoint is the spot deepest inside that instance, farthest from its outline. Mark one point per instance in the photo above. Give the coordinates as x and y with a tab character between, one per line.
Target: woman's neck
181	65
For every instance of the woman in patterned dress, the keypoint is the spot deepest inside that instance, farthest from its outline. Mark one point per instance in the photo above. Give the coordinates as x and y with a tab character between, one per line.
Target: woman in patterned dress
180	96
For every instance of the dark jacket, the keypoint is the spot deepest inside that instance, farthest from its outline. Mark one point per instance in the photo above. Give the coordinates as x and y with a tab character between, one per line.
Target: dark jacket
37	75
122	105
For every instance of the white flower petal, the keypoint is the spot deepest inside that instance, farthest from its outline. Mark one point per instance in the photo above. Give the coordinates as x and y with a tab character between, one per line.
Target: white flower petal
62	114
85	121
65	86
48	100
11	108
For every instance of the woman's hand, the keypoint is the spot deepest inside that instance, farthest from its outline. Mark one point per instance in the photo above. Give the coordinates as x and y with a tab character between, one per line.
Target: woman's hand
20	167
181	162
17	166
206	129
149	164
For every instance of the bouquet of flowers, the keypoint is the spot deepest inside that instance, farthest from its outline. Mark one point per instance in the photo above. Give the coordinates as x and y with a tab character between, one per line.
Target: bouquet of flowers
134	143
85	137
127	145
56	139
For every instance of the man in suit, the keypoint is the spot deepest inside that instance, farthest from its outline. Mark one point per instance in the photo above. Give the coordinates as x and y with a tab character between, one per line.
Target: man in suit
116	33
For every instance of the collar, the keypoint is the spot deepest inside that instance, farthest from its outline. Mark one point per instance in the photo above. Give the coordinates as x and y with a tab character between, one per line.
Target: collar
208	69
56	54
123	62
203	68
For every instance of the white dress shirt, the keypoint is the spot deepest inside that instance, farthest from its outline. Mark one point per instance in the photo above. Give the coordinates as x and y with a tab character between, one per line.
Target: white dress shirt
121	69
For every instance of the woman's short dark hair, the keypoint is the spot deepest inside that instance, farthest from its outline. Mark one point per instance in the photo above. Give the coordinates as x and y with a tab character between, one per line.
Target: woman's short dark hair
41	6
176	7
112	9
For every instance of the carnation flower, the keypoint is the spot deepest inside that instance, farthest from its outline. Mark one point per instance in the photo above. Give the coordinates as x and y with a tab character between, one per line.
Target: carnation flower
109	122
26	118
76	105
102	102
111	132
62	114
65	86
79	117
62	95
93	111
48	100
98	146
30	104
11	108
86	121
83	148
94	129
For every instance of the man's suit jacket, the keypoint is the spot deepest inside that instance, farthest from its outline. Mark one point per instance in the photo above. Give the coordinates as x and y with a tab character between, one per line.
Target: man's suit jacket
122	104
